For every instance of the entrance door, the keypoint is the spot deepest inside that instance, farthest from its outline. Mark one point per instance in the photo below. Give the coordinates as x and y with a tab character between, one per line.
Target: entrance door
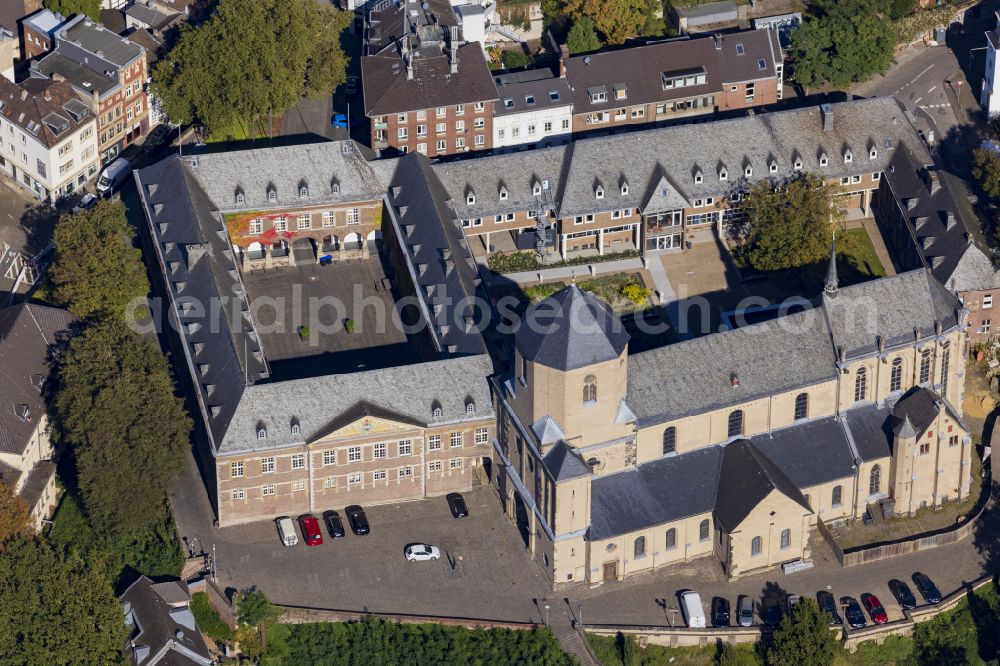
668	242
611	570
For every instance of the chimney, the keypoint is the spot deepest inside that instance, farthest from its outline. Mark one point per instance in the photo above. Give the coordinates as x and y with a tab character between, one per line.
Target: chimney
718	41
933	182
826	110
950	221
24	94
563	57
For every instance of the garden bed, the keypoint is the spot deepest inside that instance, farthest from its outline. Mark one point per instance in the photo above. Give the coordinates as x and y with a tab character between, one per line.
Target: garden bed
624	292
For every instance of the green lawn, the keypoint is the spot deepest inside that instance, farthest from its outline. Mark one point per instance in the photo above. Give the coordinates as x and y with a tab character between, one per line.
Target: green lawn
610	288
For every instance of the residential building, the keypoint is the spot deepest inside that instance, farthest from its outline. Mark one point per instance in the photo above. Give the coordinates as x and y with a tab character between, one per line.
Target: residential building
534	109
48	139
162	626
39	32
27	333
107	71
989	96
613	464
675	79
11	15
922	225
150	16
426	89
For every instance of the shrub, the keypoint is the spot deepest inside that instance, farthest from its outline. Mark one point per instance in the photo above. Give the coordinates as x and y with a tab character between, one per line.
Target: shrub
208	619
636	293
303	332
516	59
349	326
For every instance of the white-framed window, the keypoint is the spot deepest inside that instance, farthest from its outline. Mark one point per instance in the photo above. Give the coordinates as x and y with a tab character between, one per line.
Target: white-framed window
482	435
479	106
354	454
638	112
354	479
405	447
406	472
267	490
330	482
353	215
379	475
421	130
457	439
434	443
565	123
855	179
459	125
256	226
442	112
460	142
400	117
236	470
298	486
480	140
299	461
876	176
402	132
479	123
281	223
459	109
422	148
237	494
329	457
455	463
329	218
987	301
267	465
379	450
435	466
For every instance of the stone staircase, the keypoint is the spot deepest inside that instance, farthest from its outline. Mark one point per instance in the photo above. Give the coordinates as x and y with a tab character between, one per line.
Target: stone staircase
572	641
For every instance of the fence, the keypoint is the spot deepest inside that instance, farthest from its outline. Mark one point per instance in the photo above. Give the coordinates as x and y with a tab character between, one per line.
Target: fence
305	614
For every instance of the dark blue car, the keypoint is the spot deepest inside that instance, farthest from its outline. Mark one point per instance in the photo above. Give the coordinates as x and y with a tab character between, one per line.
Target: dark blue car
339	121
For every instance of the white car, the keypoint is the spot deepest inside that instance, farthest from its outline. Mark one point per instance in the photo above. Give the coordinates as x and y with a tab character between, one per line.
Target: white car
421	552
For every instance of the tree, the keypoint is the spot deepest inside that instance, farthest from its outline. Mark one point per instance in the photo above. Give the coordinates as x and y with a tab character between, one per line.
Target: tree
91	8
254	608
57	609
96	270
986	169
15	515
844	43
582	36
803	637
789	226
616	19
251	58
735	655
125	428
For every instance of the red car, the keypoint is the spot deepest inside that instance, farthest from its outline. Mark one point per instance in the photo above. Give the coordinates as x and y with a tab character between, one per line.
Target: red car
310	530
874	608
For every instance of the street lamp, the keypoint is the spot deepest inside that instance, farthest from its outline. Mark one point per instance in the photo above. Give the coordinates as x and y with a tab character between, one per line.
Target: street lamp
546	615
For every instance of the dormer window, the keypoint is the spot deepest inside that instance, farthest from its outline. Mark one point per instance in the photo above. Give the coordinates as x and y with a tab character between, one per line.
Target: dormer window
470	198
504	194
798	164
303	191
241	198
823	160
872	152
599	192
23	412
747	170
437	413
470	407
272	195
621	92
624	188
296	428
698	177
848	156
723	174
261	432
536	189
773	167
334	187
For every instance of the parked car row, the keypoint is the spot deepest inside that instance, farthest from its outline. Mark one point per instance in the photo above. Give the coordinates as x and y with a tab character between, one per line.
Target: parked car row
770	609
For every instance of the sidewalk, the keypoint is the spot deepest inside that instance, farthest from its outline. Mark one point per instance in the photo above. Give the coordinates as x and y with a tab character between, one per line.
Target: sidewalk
564	273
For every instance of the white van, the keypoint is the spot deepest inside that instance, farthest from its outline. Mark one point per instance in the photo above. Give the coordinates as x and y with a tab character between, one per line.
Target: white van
113	176
694	613
286	530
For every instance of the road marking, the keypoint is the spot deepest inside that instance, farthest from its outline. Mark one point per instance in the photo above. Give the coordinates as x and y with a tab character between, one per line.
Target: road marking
914	80
917	100
933	88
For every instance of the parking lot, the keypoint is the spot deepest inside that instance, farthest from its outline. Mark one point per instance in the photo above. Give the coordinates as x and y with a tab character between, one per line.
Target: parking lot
493	577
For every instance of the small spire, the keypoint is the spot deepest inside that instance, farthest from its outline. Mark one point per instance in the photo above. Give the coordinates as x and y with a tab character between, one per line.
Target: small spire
830	285
907	431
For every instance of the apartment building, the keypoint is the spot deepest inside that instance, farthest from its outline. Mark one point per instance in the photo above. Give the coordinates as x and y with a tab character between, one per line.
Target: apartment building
26	454
109	73
425	88
48	138
674	79
534	109
39	32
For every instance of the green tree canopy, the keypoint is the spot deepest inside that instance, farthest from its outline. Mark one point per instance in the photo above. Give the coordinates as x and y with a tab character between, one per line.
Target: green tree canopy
736	655
616	19
91	8
254	608
582	37
803	637
250	58
846	41
986	169
57	609
127	431
15	515
790	226
96	270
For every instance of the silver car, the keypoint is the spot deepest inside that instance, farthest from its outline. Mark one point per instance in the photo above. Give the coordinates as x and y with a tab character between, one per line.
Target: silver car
744	611
421	552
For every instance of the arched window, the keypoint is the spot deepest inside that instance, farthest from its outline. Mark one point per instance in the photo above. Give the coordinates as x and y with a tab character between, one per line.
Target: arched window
925	366
786	538
470	407
669	440
945	358
590	388
861	385
837	495
896	375
303	191
640	547
240	199
437	413
875	481
736	423
703	530
296	429
756	546
671	538
801	406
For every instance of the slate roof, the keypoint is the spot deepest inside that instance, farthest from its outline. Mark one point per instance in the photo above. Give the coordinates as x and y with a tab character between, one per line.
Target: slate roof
569	330
870	431
411	391
164	632
437	256
285	170
746	478
26	332
563	463
388	22
811	452
36	103
680	151
656	492
152	16
80	33
921	406
222	348
545	90
516	172
935	227
640	68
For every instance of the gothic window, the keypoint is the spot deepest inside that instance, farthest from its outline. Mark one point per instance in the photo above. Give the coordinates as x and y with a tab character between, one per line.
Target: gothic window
861	385
786	538
837	495
703	530
945	358
896	375
590	388
640	547
875	481
669	440
671	538
801	406
756	546
736	423
925	366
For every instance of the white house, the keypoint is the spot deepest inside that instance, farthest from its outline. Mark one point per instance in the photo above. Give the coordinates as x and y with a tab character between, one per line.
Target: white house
535	109
48	137
989	98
